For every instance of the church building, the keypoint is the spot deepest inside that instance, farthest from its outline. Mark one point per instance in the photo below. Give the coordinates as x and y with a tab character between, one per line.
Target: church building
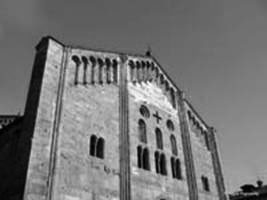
102	125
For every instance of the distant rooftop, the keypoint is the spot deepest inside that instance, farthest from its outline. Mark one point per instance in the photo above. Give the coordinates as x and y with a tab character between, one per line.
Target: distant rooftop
5	120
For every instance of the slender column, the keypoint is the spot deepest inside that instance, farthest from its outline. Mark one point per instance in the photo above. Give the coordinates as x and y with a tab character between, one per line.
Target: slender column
188	155
125	187
216	164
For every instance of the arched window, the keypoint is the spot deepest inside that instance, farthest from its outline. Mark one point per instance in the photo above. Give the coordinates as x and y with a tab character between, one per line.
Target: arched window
173	145
77	61
144	74
173	102
93	63
152	71
138	71
139	156
97	147
85	64
170	125
131	65
173	167
144	111
178	169
205	183
160	163
108	74
142	131
100	147
163	170
148	76
161	79
115	70
143	158
166	85
159	139
146	164
157	162
100	70
93	145
206	140
156	72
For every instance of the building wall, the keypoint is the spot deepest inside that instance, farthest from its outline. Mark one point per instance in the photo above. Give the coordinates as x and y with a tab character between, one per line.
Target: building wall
75	93
87	109
39	128
202	157
149	184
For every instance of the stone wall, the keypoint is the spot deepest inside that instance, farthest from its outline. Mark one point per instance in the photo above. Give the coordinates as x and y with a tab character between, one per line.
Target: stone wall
147	184
87	109
76	93
202	155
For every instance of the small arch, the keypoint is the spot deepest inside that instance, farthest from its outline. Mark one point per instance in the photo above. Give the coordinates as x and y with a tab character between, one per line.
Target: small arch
138	71
144	111
146	164
172	94
173	145
151	71
189	114
166	85
92	60
77	62
131	65
93	63
76	59
142	131
85	65
156	74
143	71
148	72
108	73
159	139
206	137
170	125
93	145
115	70
100	70
148	64
161	78
143	63
100	148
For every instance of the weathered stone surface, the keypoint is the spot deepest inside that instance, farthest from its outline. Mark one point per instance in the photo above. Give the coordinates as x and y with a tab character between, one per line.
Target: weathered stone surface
76	93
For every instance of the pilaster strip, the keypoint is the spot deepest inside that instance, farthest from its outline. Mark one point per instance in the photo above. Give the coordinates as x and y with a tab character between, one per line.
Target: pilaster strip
55	131
188	155
125	187
216	165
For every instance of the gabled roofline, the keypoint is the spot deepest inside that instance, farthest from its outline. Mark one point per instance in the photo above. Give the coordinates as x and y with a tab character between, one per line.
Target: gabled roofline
197	114
11	125
133	55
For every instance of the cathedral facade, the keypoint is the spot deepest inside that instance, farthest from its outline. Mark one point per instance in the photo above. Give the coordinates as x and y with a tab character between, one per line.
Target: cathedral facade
104	125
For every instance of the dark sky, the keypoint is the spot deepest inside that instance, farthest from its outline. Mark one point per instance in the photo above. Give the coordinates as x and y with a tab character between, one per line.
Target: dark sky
215	50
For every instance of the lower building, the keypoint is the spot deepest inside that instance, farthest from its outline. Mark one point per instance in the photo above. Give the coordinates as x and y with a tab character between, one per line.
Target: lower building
250	192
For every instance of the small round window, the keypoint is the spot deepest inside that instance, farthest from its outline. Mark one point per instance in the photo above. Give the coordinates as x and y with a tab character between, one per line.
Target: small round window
170	125
144	111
